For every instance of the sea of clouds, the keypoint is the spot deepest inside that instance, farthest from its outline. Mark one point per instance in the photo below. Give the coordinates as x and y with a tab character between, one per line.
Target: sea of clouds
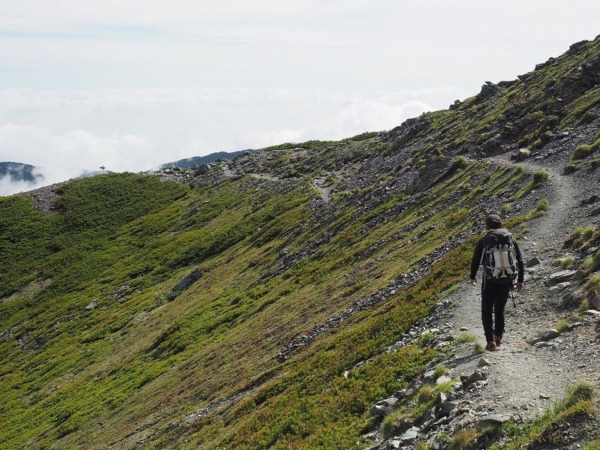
65	133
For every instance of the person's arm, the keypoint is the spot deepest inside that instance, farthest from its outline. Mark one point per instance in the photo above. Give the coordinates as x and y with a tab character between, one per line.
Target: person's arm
476	261
520	266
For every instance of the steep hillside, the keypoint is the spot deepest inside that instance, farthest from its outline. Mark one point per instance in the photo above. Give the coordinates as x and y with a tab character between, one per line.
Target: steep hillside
265	301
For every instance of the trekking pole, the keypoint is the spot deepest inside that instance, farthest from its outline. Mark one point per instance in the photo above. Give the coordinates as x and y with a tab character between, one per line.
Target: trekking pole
512	294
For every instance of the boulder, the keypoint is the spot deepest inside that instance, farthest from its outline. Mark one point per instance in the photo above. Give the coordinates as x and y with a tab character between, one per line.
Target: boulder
443	379
543	336
533	262
494	420
483	362
409	436
563	275
474	377
447	407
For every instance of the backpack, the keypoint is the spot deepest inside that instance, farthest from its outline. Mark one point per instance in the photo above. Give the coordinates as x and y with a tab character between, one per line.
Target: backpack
498	259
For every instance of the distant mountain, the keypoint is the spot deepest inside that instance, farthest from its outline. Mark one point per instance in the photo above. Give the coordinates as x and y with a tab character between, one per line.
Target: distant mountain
188	163
19	172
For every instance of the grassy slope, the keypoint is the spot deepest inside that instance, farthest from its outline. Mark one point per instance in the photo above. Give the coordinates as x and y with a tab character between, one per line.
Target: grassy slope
129	362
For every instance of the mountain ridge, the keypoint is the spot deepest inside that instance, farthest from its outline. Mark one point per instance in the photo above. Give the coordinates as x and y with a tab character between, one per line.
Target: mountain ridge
309	259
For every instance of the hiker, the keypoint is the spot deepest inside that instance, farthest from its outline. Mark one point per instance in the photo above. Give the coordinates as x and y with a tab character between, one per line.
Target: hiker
497	252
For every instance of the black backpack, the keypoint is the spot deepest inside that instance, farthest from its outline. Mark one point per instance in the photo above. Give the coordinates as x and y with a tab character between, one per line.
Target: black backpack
498	258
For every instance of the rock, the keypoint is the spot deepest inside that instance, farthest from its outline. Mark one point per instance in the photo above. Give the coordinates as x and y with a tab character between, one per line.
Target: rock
590	200
185	283
91	306
544	397
559	288
409	436
428	375
542	335
474	377
390	401
381	410
533	262
447	407
592	312
443	379
483	362
464	329
384	407
552	345
493	420
570	168
573	299
201	169
563	275
370	436
395	443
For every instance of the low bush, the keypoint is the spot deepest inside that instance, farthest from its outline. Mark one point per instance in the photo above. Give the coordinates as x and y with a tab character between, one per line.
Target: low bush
582	151
540	176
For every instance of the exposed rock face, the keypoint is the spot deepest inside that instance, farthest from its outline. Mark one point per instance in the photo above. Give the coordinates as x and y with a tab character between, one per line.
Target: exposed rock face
185	283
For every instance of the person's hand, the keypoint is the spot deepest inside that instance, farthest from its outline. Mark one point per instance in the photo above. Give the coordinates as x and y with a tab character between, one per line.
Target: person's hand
473	282
520	286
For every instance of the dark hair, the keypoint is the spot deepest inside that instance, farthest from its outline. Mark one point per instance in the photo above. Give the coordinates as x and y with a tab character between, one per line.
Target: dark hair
493	221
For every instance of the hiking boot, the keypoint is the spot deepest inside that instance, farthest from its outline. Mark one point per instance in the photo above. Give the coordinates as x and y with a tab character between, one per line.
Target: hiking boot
491	346
498	340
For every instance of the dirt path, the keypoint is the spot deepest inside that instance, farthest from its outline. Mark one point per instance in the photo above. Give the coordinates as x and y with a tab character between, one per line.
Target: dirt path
524	380
324	191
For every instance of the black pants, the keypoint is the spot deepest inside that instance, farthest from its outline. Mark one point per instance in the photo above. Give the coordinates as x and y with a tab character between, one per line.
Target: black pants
493	302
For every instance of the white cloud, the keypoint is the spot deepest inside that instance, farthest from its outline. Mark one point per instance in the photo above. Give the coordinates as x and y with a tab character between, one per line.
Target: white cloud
68	132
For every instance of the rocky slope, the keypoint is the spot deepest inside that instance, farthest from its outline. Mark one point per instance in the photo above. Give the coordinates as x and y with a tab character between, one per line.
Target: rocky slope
276	299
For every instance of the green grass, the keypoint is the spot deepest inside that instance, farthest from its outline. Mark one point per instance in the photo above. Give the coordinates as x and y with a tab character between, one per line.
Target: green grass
577	405
582	151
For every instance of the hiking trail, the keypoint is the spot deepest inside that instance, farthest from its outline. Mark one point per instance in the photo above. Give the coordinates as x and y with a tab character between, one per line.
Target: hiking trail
524	380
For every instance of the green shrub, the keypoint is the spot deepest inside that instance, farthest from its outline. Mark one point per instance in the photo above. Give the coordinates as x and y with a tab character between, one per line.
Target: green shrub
562	325
542	205
581	391
465	439
426	339
593	285
439	371
584	150
426	394
540	176
464	338
566	262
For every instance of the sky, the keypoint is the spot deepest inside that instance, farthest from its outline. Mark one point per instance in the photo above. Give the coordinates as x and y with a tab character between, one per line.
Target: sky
132	84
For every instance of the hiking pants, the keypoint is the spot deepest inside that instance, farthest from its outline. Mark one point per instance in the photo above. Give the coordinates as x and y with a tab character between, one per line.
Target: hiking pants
493	302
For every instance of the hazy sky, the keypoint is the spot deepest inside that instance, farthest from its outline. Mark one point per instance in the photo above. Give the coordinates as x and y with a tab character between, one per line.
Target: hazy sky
131	84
